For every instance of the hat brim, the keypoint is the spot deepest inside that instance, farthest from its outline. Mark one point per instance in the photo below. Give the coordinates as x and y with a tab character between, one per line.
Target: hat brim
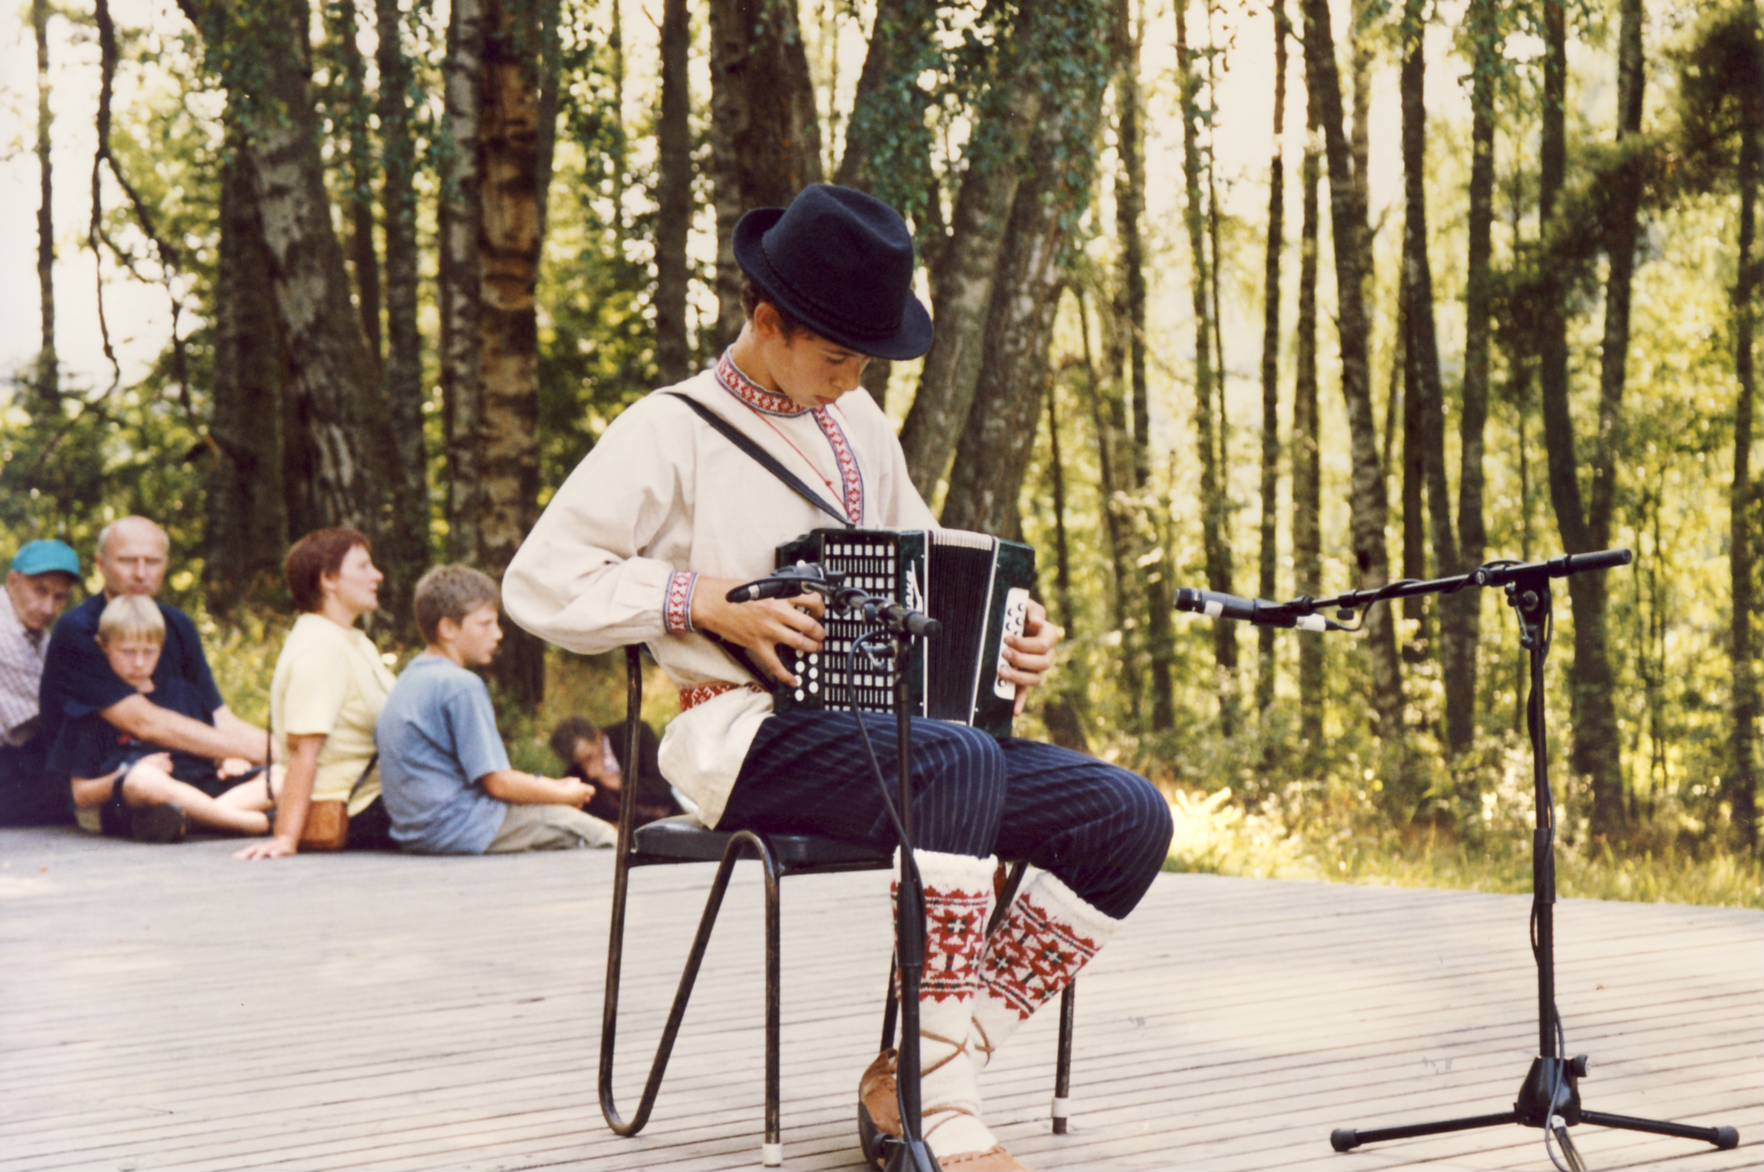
911	340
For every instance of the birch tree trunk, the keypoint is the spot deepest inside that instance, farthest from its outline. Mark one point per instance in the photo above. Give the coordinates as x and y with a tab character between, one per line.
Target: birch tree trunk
1596	749
1019	97
408	551
1740	786
1214	512
262	53
1108	418
1265	582
1067	613
347	99
993	452
1422	349
765	133
1370	507
248	511
1130	316
508	244
1461	613
673	194
1403	416
887	143
461	292
1306	452
47	382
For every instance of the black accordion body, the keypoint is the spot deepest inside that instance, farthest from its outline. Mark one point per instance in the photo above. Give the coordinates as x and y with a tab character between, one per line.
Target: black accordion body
975	585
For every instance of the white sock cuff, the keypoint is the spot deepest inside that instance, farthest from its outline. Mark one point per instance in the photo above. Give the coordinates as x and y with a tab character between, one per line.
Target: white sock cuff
944	870
1067	905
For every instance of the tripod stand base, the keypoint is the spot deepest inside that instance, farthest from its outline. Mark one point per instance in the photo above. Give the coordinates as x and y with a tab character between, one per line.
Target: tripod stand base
1550	1096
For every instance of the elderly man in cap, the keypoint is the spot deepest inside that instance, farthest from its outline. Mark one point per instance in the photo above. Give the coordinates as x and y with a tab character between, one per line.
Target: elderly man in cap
665	515
39	583
132	557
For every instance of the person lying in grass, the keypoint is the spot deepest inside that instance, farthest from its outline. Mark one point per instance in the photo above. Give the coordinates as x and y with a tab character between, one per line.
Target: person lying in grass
127	787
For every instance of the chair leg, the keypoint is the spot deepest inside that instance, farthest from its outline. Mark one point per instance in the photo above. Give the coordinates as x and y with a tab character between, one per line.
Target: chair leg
1062	1102
676	1013
772	1149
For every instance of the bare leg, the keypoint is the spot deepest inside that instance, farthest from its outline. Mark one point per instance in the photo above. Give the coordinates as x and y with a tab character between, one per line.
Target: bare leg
247	795
150	786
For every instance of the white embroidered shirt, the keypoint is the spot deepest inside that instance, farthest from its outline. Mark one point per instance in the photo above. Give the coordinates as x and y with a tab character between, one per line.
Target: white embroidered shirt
663	498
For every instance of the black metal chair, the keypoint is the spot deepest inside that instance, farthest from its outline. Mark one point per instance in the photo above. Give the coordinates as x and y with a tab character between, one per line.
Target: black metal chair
682	839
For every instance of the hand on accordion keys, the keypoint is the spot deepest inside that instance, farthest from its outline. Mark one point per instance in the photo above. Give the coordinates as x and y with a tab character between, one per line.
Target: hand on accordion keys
1030	656
762	625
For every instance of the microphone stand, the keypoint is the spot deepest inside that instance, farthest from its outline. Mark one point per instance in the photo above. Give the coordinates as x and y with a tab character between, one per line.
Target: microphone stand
910	1152
1549	1097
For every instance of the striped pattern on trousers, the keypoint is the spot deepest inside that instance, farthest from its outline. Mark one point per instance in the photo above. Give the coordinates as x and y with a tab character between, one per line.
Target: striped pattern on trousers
1104	831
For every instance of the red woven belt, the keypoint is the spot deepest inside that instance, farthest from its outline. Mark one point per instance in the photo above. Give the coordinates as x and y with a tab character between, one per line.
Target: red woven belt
697	694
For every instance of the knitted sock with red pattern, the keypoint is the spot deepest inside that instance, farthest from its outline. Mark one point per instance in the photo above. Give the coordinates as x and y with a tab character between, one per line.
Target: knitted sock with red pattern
958	902
1048	934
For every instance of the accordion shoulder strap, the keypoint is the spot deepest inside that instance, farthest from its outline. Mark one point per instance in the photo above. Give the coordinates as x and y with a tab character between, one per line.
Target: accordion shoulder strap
763	458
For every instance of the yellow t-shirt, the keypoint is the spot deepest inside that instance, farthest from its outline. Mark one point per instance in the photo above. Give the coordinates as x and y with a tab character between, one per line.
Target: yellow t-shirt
331	680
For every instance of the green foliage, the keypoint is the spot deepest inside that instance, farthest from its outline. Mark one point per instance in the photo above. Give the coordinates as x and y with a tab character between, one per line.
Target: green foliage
1259	800
70	466
597	317
1323	831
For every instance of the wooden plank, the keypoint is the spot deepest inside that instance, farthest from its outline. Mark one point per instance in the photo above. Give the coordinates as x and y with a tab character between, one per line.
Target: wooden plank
451	1016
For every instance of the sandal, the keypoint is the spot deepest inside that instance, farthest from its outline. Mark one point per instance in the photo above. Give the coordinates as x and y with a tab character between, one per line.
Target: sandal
118	819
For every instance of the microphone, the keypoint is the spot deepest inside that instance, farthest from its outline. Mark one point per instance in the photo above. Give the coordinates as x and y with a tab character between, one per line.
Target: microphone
902	618
785	583
1259	611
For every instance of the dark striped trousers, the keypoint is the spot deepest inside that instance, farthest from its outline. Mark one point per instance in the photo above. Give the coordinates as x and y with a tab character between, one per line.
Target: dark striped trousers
1103	830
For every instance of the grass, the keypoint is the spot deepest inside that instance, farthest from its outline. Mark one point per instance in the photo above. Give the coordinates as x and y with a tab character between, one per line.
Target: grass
1217	836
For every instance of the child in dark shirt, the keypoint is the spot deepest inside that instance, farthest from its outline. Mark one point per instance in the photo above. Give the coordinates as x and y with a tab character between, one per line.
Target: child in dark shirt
596	757
156	788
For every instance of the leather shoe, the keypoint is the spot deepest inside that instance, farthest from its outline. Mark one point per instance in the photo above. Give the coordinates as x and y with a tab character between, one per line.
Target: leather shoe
878	1106
879	1120
993	1159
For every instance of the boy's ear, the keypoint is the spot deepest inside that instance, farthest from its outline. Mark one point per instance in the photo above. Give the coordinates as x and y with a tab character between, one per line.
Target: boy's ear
765	321
446	629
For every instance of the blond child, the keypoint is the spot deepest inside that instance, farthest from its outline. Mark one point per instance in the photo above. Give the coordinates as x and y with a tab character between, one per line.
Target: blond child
132	788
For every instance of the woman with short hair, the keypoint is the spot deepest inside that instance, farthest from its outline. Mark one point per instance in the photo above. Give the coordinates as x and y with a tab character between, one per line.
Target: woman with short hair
329	686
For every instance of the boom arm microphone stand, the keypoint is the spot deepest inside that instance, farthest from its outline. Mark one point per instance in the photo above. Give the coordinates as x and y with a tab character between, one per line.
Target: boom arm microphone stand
1549	1098
902	625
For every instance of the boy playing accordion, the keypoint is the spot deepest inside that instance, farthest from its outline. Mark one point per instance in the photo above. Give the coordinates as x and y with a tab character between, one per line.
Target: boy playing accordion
664	516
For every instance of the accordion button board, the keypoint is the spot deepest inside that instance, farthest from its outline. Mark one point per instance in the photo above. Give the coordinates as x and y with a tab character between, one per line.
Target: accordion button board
977	586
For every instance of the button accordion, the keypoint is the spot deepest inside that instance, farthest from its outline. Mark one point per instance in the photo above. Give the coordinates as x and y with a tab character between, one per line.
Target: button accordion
975	585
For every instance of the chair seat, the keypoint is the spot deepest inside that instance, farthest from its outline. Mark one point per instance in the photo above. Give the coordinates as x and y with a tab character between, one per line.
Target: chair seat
684	837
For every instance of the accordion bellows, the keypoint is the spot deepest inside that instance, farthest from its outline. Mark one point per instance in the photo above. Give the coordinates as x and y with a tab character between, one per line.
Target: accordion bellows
976	585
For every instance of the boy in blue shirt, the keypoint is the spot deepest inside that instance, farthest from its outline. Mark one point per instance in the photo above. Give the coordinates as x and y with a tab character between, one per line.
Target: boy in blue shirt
127	786
444	772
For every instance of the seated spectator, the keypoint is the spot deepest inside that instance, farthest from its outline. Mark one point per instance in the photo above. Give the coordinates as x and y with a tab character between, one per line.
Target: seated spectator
597	757
39	582
449	787
328	688
132	788
78	681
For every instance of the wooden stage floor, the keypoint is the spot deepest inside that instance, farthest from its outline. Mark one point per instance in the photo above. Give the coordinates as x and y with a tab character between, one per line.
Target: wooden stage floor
167	1007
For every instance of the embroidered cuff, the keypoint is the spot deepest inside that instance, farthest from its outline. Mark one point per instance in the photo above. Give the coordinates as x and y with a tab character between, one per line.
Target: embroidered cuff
677	606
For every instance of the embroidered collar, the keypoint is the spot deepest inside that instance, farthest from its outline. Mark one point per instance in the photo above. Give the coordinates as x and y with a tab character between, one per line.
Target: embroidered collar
730	377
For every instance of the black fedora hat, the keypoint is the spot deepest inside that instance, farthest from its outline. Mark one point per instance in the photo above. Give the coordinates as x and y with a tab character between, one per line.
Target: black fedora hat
841	263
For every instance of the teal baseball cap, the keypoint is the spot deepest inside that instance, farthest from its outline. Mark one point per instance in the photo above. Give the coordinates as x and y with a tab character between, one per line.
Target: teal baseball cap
46	557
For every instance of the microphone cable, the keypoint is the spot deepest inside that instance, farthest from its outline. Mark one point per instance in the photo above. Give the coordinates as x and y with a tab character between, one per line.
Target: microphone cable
859	646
